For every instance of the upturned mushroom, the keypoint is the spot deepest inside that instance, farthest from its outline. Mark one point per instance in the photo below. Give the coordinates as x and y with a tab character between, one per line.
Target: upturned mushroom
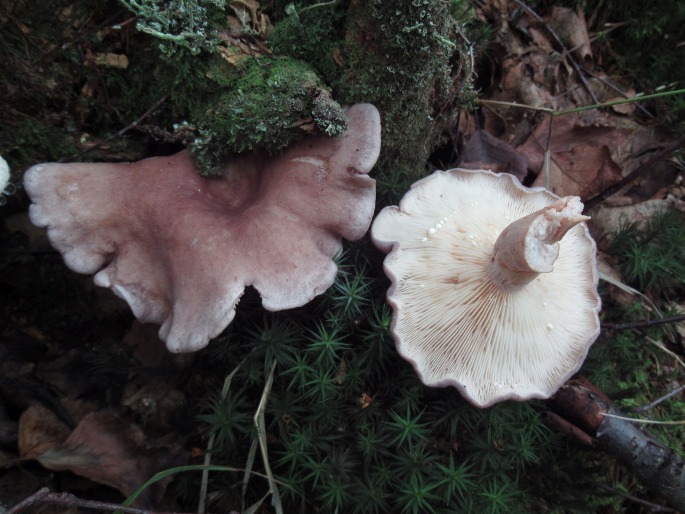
180	248
493	285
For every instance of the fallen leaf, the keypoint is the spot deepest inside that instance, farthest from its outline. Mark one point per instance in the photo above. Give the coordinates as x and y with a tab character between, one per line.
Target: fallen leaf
250	16
484	151
111	60
107	450
626	108
39	431
571	27
585	170
518	86
580	162
231	55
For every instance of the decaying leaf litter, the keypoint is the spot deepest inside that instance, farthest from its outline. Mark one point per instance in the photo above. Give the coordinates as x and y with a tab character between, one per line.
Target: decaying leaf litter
134	400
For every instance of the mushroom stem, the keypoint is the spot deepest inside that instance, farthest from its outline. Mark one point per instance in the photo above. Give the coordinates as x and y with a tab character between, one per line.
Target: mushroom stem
530	246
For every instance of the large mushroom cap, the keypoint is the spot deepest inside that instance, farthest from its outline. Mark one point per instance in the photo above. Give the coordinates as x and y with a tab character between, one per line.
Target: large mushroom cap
180	248
494	335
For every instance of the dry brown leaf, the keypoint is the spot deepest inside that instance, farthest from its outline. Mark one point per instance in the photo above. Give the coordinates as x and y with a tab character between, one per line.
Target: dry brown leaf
541	38
585	170
517	85
626	108
484	151
155	402
580	163
231	55
111	60
110	451
39	431
250	15
570	26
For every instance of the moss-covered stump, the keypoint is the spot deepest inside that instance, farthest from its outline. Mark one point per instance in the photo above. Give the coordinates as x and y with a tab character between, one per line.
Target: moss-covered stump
409	58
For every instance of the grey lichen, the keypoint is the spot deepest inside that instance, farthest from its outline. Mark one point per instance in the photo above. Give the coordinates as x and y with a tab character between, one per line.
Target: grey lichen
178	23
410	58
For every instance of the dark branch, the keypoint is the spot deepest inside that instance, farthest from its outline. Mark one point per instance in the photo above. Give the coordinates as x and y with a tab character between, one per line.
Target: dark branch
643	324
652	462
69	500
665	397
121	132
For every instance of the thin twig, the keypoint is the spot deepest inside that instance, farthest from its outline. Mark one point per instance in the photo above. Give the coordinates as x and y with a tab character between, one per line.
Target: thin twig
665	397
636	173
321	4
548	152
639	98
573	62
643	324
44	495
654	506
645	421
121	132
620	91
514	105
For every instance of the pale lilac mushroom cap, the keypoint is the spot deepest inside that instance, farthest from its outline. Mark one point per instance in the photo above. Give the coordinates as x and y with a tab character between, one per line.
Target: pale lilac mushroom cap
493	285
180	248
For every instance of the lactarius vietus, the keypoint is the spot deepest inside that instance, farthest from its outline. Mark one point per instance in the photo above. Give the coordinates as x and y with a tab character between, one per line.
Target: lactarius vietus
181	248
493	285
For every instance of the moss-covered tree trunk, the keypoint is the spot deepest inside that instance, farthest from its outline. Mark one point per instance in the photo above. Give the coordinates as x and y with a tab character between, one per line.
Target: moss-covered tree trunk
409	58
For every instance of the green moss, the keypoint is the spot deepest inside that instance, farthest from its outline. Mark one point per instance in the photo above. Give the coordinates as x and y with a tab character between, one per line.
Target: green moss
409	58
313	35
634	373
344	415
258	104
262	105
31	141
631	366
652	257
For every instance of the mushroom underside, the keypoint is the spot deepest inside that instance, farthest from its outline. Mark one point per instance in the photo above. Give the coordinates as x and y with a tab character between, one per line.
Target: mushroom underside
456	324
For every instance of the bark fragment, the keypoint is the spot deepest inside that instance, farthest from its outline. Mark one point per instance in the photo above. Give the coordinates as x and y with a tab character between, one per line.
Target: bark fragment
651	461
